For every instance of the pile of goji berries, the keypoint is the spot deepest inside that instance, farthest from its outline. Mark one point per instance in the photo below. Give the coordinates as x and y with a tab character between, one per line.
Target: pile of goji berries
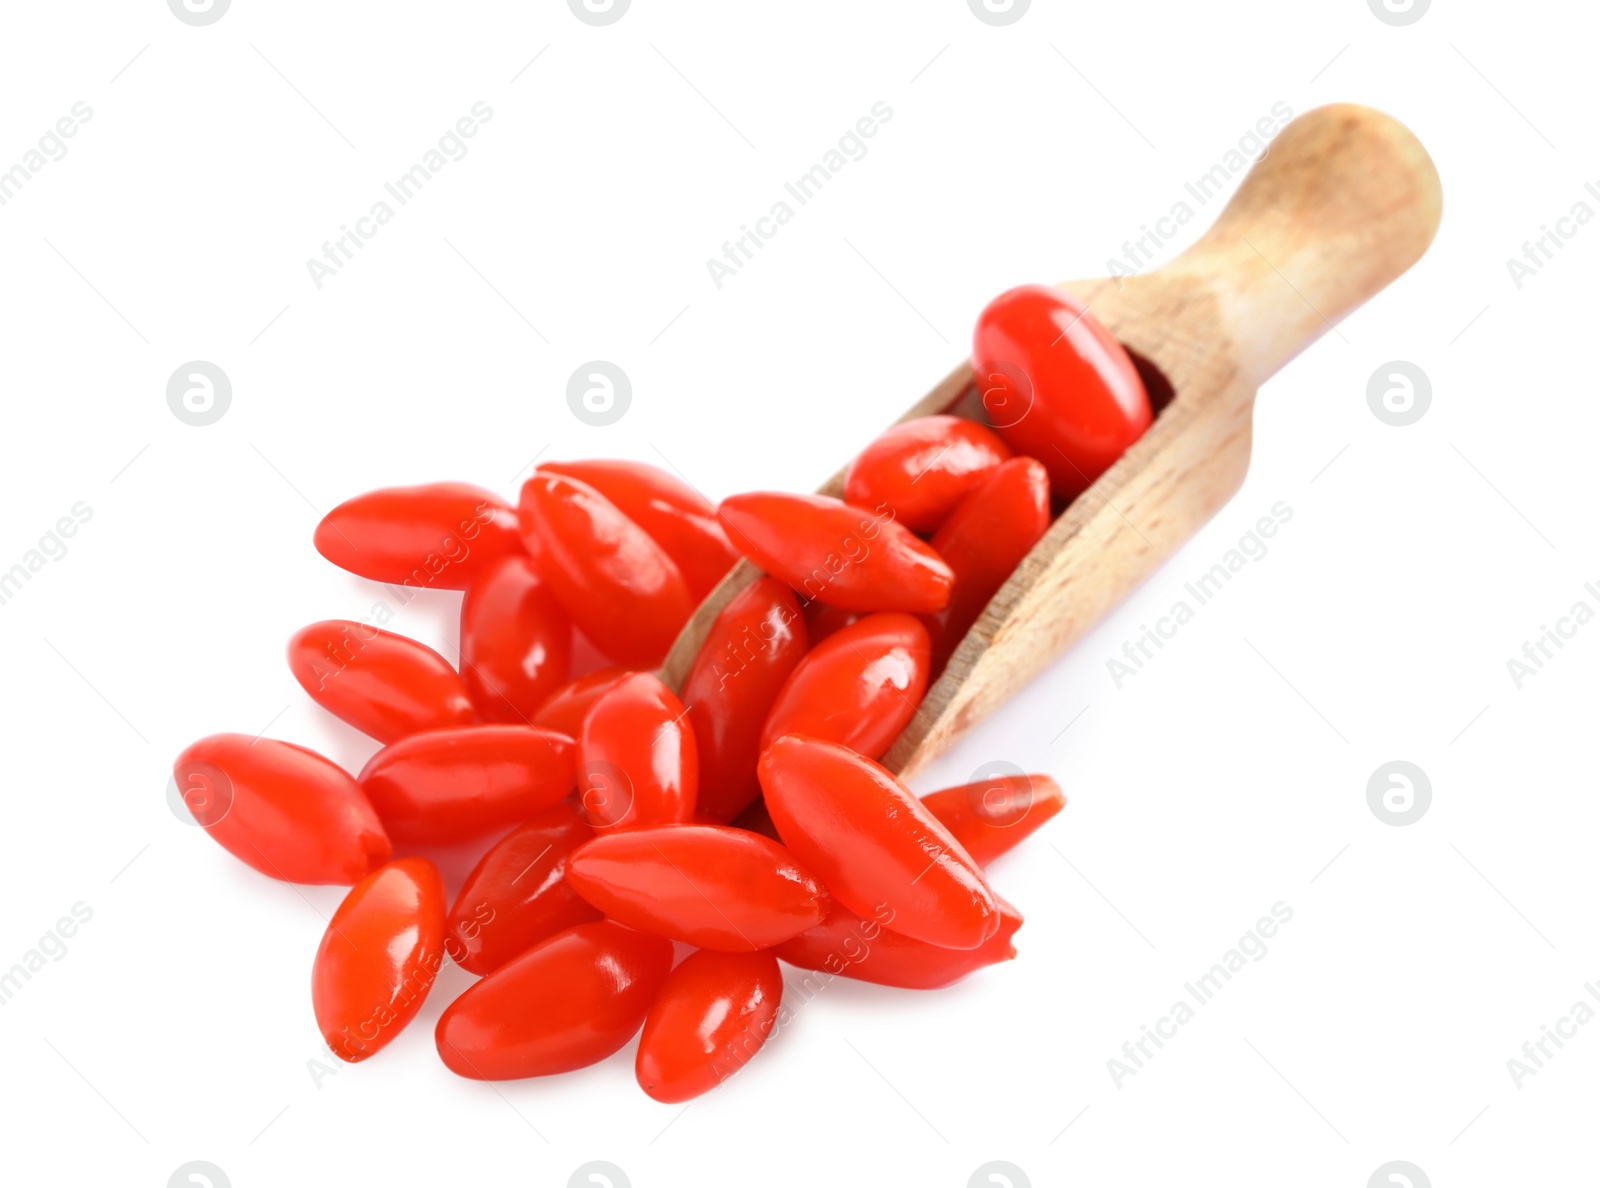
745	816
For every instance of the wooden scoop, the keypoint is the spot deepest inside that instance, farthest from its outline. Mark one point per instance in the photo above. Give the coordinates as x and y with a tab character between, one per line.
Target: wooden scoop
1344	202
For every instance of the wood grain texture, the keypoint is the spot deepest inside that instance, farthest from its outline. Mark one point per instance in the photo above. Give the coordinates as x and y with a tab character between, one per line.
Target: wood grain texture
1345	201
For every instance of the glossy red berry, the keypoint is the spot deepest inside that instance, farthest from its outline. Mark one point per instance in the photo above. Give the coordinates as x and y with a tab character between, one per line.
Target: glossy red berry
379	957
831	552
637	761
989	817
868	950
446	786
749	651
677	517
873	844
570	1001
711	886
565	709
712	1015
518	893
282	809
381	683
858	687
921	468
435	536
516	641
1056	385
621	588
984	540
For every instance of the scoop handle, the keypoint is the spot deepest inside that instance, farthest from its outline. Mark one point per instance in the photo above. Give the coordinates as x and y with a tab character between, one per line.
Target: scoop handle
1344	201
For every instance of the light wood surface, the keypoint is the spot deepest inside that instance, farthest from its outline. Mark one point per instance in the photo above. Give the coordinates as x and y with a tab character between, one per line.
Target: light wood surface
1344	202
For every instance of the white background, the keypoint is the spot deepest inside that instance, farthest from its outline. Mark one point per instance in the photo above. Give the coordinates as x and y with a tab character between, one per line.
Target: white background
1225	777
